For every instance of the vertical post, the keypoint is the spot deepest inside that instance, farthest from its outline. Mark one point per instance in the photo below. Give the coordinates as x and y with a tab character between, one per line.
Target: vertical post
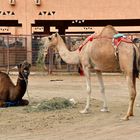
8	55
68	65
29	48
28	32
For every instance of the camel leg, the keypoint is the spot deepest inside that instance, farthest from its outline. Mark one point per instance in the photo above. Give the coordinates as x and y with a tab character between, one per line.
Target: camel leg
100	79
23	102
132	95
88	85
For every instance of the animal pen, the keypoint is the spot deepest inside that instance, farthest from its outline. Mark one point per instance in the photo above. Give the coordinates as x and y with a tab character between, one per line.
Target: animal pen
13	50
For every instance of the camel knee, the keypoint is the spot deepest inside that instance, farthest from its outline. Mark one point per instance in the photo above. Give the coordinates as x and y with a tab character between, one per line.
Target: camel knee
132	97
102	90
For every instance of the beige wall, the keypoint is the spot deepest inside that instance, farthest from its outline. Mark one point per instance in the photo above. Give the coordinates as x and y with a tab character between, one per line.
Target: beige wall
73	9
26	12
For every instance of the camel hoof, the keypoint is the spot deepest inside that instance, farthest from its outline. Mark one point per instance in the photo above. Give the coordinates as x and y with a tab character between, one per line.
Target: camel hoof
24	102
126	118
85	111
105	109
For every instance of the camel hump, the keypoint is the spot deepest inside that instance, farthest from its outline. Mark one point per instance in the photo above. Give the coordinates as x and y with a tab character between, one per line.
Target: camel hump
109	31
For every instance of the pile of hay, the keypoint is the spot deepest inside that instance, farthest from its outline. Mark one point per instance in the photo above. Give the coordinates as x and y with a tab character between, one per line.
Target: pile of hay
52	104
40	57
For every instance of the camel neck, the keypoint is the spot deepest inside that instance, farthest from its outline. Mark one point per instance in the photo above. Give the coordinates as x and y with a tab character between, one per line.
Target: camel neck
20	89
22	82
70	57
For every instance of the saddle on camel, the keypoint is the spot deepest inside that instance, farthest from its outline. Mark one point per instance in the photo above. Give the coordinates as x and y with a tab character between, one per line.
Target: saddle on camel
11	94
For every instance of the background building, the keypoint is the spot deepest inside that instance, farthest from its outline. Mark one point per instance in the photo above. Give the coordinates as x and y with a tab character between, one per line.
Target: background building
32	17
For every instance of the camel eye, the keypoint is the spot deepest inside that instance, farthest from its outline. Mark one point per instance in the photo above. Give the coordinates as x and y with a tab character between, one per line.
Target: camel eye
49	38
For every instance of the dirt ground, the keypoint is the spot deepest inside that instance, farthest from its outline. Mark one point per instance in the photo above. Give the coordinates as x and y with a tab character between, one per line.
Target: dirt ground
16	123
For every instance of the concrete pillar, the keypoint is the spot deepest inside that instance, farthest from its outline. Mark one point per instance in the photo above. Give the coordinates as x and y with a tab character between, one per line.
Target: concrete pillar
27	30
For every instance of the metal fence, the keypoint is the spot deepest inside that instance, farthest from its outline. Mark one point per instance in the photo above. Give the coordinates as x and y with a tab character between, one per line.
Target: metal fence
13	50
53	61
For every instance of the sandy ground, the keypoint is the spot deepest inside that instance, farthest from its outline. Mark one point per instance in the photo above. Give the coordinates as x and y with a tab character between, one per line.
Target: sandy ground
16	123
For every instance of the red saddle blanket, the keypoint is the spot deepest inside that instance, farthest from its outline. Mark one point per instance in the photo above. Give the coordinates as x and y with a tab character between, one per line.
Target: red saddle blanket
117	41
89	38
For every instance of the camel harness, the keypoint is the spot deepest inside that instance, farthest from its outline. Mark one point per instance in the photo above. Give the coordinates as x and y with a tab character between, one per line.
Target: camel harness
116	40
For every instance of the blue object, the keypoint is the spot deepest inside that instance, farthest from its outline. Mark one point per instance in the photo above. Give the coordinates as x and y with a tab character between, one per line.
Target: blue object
12	103
118	35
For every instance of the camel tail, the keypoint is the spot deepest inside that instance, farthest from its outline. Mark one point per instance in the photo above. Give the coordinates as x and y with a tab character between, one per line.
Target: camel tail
136	63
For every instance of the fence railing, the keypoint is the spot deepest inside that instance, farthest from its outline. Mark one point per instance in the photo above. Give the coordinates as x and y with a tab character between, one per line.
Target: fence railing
13	50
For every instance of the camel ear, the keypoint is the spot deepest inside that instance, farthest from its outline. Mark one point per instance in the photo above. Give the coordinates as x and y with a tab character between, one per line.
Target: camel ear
56	34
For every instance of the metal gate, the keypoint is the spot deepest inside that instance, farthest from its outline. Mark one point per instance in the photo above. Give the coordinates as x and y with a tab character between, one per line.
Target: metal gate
13	50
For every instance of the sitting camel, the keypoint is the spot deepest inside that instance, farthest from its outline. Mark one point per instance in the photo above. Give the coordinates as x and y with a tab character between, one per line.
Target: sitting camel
99	51
10	94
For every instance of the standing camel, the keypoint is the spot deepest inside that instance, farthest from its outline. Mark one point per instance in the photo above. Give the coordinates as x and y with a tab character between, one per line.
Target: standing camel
10	94
100	52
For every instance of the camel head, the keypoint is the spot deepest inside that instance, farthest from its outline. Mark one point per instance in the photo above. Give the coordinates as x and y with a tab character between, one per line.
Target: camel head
50	41
24	70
